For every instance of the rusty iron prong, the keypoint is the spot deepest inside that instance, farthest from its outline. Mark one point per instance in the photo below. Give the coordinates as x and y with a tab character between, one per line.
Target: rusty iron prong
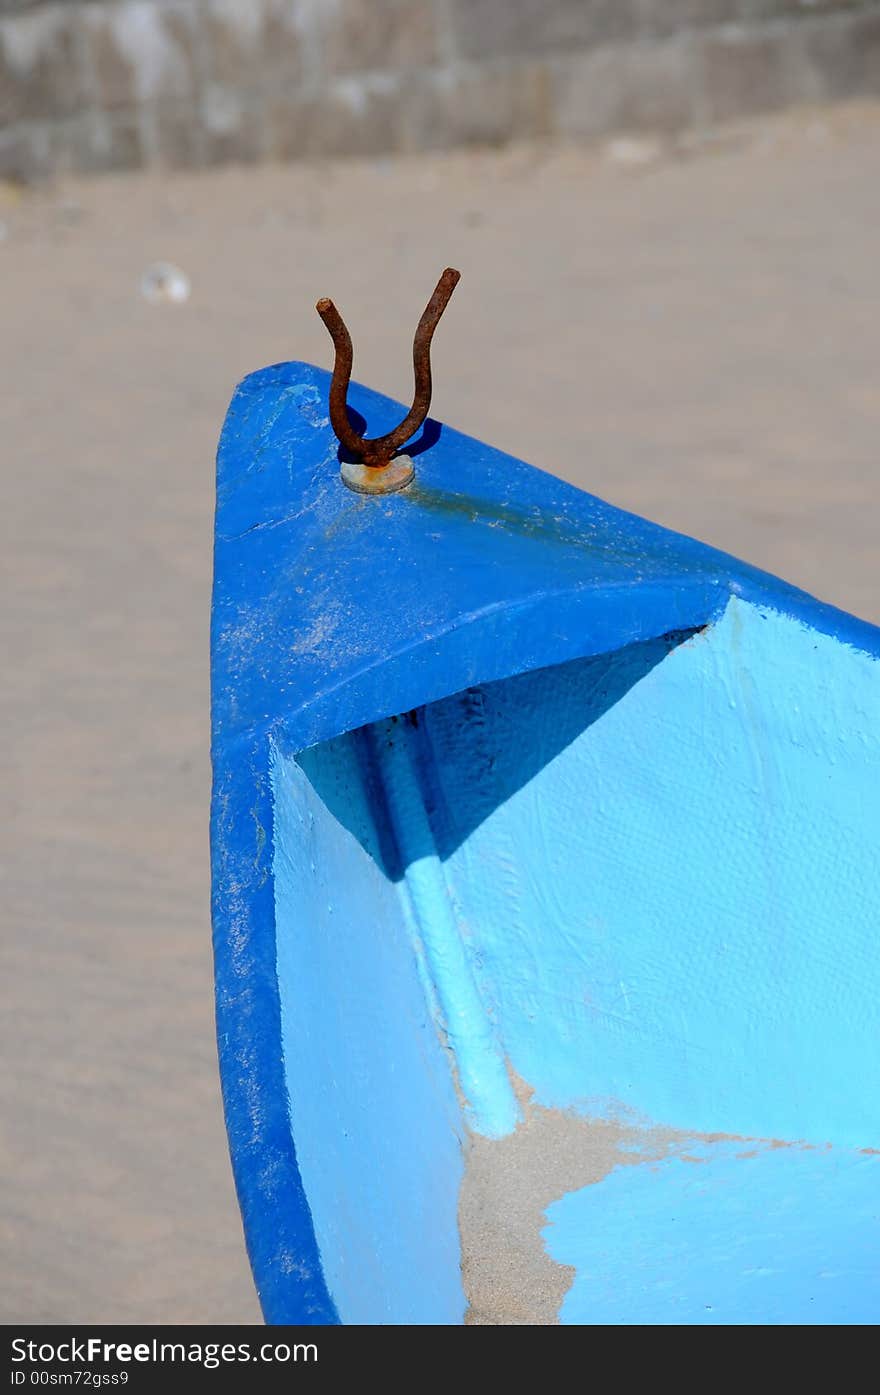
377	453
341	376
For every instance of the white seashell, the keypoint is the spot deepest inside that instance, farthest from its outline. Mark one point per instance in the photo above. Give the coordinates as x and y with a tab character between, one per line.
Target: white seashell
164	282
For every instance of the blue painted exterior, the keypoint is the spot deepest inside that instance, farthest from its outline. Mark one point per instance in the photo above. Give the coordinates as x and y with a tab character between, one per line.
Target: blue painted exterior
333	611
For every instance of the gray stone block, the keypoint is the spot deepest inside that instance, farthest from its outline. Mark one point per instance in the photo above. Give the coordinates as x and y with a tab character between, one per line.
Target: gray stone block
661	19
234	126
478	106
101	143
755	11
141	52
123	147
499	28
358	36
41	76
288	117
111	61
644	87
25	153
238	45
179	139
742	73
842	58
347	118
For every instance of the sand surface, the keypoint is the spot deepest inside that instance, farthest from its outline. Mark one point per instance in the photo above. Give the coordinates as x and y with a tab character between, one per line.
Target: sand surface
695	336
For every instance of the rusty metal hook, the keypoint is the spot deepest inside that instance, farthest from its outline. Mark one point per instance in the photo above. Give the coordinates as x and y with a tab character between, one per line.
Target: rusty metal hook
376	454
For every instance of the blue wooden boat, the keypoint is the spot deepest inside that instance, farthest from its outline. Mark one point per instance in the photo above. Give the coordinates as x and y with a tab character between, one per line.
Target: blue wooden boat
545	899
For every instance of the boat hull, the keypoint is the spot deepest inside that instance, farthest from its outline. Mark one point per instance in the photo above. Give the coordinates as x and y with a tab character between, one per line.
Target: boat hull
545	889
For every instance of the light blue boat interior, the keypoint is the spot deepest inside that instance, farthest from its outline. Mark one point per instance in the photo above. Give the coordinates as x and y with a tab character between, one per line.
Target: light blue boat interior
730	1234
641	886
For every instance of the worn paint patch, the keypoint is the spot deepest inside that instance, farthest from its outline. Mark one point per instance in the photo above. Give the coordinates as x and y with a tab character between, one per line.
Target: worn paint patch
599	1221
510	1276
753	1234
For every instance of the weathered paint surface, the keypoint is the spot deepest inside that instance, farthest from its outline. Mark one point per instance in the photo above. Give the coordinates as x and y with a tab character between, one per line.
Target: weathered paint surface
677	913
510	1274
582	903
621	847
733	1233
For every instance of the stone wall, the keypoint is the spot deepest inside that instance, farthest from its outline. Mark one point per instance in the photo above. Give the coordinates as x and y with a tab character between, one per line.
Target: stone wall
119	84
